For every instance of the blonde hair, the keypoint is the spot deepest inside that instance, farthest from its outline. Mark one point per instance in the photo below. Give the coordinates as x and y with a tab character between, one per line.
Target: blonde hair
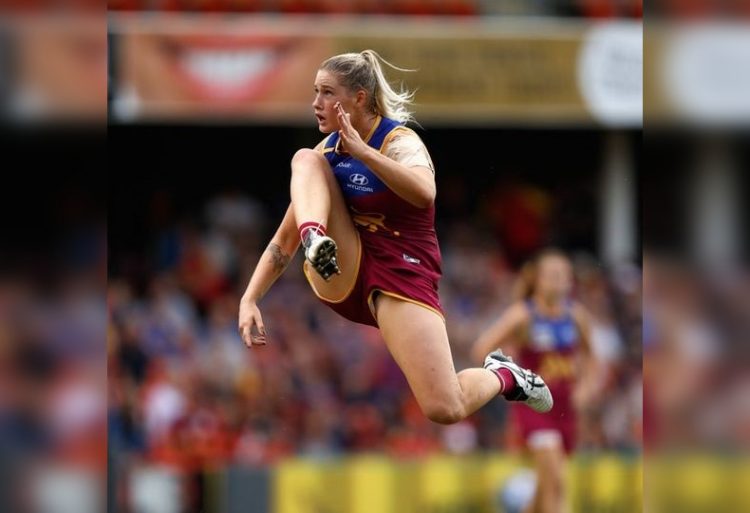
362	70
525	285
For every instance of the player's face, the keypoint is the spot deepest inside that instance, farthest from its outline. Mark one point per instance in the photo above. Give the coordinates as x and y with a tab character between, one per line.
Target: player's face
555	276
328	92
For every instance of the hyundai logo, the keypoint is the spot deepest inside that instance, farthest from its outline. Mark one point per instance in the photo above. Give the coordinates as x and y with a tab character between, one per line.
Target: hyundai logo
358	179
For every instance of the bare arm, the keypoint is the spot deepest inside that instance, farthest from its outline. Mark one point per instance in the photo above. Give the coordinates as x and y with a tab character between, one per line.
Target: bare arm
504	332
272	264
591	372
413	183
275	259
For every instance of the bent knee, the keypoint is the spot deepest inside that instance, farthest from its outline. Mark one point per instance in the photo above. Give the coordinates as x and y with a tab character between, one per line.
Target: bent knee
444	412
308	156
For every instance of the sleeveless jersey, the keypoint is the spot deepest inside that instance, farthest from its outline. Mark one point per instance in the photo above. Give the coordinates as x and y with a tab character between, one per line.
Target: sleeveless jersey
551	348
392	230
399	252
550	352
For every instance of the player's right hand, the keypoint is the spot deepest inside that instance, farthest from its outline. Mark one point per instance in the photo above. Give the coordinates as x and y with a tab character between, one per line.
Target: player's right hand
251	327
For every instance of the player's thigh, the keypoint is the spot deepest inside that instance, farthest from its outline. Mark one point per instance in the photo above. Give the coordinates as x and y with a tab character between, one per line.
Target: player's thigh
548	453
341	228
417	339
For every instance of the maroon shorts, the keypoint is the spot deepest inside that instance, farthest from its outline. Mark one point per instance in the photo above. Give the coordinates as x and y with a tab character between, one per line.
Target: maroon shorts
389	274
540	429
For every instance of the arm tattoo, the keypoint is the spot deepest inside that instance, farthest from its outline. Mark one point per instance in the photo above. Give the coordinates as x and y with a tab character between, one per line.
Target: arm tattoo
278	258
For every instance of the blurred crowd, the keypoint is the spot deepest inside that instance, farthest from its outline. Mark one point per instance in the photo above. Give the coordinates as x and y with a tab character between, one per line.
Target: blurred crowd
695	342
185	391
53	412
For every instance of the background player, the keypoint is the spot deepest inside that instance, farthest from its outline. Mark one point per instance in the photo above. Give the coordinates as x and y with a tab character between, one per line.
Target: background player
547	331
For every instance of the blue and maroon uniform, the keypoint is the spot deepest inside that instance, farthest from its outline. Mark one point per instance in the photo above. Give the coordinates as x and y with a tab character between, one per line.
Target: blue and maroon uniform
399	254
550	352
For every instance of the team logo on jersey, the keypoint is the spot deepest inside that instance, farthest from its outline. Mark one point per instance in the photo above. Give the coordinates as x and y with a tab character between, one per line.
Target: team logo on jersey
555	367
358	179
371	221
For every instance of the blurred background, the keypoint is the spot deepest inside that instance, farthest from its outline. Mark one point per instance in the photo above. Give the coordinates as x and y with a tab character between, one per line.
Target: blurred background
532	113
695	254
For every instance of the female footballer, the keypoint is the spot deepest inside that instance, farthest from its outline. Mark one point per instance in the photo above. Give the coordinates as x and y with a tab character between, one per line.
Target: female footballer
549	332
362	206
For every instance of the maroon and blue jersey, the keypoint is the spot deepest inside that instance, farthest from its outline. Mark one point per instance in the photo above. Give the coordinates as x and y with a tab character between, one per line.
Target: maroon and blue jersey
550	351
400	252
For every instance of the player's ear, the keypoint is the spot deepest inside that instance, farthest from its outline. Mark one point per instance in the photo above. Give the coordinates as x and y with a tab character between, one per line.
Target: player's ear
361	98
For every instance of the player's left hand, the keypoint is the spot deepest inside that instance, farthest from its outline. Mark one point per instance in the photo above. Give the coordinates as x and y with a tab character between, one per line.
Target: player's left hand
353	142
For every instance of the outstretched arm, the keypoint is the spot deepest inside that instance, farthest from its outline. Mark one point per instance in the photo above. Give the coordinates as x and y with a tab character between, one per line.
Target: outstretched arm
504	332
272	264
